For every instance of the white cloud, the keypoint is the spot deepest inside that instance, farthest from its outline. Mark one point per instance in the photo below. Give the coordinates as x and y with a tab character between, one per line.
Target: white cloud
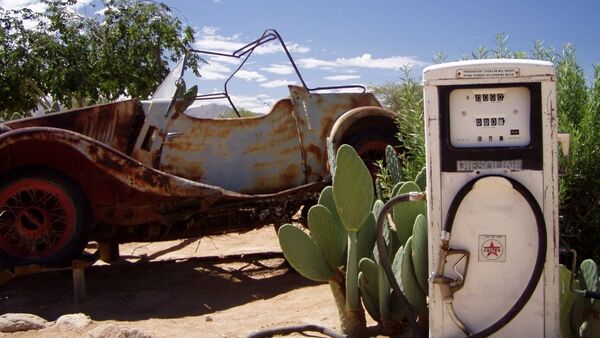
37	5
224	59
316	63
250	76
210	40
277	83
364	61
215	71
275	47
210	75
279	69
342	77
16	4
34	5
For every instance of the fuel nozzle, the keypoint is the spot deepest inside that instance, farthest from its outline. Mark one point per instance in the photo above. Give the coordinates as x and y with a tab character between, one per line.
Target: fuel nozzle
448	286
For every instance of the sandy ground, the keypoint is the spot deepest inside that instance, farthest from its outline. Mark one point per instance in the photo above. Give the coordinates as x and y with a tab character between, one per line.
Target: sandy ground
166	289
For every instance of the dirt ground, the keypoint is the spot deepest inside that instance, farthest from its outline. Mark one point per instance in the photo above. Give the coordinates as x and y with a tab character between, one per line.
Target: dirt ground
166	289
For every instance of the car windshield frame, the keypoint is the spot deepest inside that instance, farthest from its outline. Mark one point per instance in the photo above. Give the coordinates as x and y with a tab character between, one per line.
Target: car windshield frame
168	87
244	53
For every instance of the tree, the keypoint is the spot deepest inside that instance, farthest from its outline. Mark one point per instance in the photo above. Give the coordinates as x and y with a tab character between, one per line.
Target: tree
81	60
17	68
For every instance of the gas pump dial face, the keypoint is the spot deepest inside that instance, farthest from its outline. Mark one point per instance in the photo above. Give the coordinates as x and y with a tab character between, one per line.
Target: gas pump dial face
490	117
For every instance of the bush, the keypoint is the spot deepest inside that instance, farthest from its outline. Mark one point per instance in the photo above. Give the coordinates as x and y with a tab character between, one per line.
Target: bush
580	187
406	99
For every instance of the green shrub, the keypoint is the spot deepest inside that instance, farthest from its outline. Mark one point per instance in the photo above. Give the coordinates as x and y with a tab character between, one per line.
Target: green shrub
580	187
406	99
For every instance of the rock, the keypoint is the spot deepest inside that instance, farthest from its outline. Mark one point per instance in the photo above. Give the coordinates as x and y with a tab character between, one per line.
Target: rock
114	331
14	322
77	321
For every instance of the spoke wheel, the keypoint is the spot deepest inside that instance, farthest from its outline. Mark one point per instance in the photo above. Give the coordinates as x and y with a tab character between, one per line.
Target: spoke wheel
41	219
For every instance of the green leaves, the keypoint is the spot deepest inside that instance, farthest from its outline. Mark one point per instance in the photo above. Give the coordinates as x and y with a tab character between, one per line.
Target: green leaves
80	60
352	188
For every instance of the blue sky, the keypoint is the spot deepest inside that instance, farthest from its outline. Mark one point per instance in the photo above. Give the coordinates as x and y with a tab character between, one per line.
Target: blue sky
368	42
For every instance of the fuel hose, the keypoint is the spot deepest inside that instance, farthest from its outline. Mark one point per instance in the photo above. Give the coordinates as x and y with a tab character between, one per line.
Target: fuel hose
446	232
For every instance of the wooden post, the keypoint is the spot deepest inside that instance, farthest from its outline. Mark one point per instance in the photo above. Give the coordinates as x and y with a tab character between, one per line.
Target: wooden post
79	281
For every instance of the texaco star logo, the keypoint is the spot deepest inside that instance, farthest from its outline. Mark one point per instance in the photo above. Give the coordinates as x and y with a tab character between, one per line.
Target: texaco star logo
492	249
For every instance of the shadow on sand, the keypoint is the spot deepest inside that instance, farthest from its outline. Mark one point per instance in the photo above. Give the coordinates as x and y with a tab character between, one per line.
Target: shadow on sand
157	289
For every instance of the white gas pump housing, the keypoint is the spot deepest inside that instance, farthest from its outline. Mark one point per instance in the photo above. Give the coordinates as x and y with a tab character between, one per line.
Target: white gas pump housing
492	198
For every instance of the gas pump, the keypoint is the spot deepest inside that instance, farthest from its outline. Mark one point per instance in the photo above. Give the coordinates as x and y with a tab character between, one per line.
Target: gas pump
492	198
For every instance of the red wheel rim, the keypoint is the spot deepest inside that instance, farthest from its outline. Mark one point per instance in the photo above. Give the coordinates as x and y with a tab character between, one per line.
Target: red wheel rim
37	219
371	152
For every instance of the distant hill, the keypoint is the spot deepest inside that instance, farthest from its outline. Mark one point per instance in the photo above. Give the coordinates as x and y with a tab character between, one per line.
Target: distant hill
208	111
217	111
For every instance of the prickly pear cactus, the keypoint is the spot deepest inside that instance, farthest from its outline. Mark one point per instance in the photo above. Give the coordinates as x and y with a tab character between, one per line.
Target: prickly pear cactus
352	188
342	230
421	179
579	316
409	281
419	252
320	253
340	245
393	165
409	265
404	214
303	253
369	287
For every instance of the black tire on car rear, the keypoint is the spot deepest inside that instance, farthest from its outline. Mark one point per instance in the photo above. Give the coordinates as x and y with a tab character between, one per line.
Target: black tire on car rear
370	144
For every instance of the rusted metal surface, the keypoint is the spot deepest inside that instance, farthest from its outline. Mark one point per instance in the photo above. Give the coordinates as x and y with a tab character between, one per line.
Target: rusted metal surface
317	113
249	155
152	204
118	165
112	124
152	172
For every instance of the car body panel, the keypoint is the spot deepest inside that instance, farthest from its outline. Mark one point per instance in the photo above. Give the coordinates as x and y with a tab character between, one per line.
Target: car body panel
151	172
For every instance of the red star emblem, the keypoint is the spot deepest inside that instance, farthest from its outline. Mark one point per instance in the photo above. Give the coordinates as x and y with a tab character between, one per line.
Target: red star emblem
492	249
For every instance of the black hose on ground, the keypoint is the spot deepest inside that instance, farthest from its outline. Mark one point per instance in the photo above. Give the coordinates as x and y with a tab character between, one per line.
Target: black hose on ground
293	329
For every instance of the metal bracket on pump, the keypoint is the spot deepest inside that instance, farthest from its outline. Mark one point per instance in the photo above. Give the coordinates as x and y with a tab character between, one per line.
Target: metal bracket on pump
448	285
492	186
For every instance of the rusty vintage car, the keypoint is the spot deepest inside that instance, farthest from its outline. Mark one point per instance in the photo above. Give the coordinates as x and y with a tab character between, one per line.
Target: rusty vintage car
143	170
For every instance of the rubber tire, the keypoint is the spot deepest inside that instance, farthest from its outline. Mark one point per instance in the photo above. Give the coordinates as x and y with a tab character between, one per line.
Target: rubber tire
74	242
372	135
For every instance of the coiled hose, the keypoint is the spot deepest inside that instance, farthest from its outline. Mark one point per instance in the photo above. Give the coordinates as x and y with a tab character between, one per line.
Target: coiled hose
446	231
